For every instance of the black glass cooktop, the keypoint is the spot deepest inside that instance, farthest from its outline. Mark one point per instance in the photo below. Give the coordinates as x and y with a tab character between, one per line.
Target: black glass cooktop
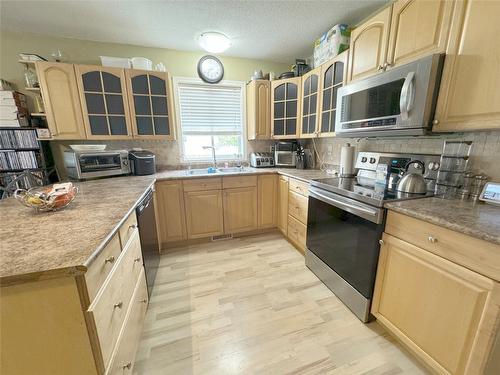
363	190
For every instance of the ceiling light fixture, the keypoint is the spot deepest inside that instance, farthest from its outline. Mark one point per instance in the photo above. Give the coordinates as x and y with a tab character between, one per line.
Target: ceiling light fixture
214	42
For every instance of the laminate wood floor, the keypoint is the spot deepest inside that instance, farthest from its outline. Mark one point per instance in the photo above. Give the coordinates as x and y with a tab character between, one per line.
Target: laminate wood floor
251	306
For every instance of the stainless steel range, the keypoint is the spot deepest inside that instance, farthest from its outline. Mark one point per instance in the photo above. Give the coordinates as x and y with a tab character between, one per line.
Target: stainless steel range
346	219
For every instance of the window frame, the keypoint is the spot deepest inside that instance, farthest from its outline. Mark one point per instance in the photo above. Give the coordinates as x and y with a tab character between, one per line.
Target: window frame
197	81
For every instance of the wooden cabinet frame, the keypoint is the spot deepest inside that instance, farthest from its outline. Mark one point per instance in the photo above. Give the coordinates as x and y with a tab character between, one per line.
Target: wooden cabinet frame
258	109
297	81
315	72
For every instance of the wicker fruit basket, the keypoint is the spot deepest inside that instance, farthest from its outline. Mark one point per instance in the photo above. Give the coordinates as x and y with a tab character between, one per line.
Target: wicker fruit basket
47	198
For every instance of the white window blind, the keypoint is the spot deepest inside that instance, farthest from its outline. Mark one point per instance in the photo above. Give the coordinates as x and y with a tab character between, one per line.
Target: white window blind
210	115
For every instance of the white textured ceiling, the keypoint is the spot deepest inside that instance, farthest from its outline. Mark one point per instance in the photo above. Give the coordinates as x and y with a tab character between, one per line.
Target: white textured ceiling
270	30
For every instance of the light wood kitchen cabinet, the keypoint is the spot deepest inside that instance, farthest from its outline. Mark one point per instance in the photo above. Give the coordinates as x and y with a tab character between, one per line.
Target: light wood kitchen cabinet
283	204
204	213
171	219
418	28
297	232
258	109
469	98
267	198
151	104
332	77
61	100
368	46
309	104
240	209
103	96
285	108
437	308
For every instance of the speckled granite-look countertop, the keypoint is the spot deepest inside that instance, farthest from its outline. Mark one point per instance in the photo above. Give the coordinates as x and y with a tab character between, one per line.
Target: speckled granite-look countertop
64	242
476	220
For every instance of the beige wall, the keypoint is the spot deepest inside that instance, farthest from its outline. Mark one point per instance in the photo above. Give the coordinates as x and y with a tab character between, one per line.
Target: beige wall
178	63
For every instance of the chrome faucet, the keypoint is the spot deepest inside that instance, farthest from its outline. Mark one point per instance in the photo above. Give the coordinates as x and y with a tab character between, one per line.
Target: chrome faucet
213	154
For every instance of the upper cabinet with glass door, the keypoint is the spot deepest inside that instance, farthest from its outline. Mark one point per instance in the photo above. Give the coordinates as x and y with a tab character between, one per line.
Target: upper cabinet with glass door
310	104
285	111
103	96
332	77
150	101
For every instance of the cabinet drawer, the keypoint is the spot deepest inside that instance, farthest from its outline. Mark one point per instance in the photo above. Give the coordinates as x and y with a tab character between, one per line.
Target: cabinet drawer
475	254
297	207
110	306
101	266
123	357
238	181
299	187
297	232
202	184
127	229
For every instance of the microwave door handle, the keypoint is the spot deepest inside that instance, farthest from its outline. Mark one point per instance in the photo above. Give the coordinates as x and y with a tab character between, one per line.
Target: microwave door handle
406	98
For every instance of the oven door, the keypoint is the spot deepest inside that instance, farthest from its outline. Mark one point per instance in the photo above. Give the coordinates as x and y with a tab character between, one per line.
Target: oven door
344	234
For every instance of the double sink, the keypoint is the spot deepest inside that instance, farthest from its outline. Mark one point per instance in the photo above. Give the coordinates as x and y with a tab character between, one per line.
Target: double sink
211	170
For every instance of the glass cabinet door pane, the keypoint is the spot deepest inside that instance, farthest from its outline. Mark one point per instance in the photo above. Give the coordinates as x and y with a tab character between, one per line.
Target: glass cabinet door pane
339	72
279	110
305	124
334	99
117	125
291	126
312	123
333	118
98	125
158	86
159	104
312	103
114	104
92	81
307	86
325	122
111	83
95	103
329	77
327	97
161	126
140	84
279	92
279	127
314	83
291	108
291	91
141	105
144	125
305	106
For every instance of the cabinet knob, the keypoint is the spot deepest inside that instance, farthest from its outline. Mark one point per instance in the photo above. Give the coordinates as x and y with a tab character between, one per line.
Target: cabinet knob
432	239
387	64
380	67
381	242
435	122
127	366
143	300
119	305
111	259
133	226
138	259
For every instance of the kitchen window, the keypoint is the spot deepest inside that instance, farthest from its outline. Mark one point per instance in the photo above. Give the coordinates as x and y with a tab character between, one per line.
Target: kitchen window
210	115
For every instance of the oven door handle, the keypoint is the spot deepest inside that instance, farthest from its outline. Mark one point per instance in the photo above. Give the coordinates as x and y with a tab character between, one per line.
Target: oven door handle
369	214
407	96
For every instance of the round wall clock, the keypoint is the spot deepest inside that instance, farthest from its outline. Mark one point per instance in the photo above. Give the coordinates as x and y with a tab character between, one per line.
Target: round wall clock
210	69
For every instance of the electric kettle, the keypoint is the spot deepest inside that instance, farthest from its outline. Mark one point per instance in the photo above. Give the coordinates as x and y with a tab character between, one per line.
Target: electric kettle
413	183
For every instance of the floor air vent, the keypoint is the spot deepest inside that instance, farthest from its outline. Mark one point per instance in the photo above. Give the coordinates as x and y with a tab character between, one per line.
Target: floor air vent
222	237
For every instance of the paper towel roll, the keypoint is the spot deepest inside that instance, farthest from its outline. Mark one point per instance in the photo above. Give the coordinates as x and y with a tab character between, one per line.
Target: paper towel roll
347	160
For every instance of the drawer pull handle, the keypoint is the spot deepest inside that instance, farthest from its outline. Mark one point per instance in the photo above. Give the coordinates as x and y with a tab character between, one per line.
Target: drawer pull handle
133	226
127	366
432	239
111	259
119	305
143	300
137	259
381	242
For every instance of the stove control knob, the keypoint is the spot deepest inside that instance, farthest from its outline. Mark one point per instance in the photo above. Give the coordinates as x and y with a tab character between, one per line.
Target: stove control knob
372	160
364	159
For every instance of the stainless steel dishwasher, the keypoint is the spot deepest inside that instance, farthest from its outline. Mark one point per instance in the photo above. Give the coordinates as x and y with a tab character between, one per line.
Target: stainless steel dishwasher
146	221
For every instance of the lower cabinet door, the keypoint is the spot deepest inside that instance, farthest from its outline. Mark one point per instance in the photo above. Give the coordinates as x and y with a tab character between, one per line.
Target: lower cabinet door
171	219
123	358
204	213
283	204
267	198
443	312
240	209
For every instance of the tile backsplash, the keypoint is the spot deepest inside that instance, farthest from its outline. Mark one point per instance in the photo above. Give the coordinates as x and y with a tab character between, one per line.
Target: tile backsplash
484	155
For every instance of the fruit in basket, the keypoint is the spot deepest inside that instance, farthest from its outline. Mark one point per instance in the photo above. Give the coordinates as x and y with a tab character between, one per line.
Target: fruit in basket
34	200
47	198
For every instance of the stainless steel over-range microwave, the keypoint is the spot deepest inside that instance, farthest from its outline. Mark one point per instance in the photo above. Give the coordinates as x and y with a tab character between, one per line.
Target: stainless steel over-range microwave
400	101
